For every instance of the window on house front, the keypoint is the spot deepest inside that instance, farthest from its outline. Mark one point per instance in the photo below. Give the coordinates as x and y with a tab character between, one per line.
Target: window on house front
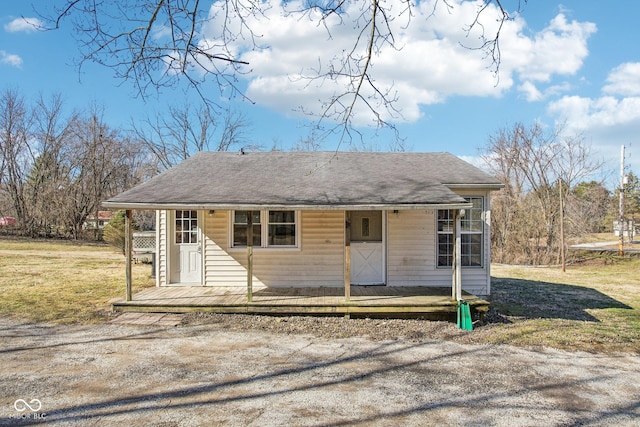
270	228
472	235
282	228
240	220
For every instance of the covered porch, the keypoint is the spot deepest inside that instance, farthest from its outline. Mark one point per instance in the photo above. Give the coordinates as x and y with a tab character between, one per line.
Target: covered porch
427	302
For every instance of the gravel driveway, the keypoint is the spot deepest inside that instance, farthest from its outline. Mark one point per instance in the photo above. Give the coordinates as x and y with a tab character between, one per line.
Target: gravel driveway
207	374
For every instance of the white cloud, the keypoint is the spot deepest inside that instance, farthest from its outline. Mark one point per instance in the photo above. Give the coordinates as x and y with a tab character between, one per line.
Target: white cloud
559	49
605	122
533	94
624	80
590	114
27	25
434	59
476	161
10	59
530	91
614	114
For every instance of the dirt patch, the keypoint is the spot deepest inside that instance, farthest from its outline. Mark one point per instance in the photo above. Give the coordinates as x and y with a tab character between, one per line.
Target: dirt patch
210	373
156	319
330	327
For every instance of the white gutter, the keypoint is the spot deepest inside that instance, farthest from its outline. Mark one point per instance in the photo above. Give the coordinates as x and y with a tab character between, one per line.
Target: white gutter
474	186
297	207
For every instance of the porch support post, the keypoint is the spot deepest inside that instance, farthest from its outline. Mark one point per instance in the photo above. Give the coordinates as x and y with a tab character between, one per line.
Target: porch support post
347	259
250	256
128	237
457	255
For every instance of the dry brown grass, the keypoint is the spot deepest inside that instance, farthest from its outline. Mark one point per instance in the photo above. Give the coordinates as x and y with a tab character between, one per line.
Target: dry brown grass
594	306
62	282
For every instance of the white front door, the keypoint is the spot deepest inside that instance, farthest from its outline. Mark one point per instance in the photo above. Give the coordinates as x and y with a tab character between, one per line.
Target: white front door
187	249
367	248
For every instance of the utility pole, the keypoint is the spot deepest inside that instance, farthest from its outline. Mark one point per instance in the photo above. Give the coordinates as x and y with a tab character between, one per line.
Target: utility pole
621	219
562	244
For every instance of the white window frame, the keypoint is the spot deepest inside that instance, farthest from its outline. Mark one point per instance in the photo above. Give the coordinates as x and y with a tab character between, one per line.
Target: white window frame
264	230
467	218
232	227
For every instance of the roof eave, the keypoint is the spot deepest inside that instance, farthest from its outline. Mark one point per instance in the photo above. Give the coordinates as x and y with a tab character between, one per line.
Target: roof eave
297	207
490	187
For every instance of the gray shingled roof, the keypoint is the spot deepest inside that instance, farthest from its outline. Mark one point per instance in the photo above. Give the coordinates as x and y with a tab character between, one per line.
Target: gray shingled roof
308	180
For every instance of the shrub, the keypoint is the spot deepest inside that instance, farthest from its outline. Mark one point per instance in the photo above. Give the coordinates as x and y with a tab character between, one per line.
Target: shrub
113	232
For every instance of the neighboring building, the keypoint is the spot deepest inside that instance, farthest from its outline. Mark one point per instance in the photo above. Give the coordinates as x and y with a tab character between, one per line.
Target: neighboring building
103	219
630	229
8	221
311	219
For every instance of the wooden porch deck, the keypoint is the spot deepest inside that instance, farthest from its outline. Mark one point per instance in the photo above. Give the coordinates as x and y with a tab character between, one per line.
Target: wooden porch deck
385	301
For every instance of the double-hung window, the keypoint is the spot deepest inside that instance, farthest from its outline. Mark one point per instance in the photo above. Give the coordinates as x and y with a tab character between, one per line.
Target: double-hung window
471	235
270	228
281	228
240	230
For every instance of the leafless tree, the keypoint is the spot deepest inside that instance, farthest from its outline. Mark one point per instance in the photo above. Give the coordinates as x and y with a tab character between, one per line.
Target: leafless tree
57	169
587	208
309	143
15	129
158	43
185	130
537	167
46	179
104	164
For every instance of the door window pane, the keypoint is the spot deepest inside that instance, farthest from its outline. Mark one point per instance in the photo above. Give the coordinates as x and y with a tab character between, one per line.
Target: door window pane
365	227
186	227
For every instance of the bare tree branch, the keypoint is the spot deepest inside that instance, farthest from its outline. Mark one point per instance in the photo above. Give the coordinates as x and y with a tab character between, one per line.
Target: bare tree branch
185	130
533	164
161	43
490	44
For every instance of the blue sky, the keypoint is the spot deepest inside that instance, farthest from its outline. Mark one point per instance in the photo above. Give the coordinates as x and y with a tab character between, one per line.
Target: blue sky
575	61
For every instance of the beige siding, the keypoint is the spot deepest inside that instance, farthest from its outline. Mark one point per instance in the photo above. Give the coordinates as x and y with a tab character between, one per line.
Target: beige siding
221	268
476	280
411	251
162	253
318	261
410	247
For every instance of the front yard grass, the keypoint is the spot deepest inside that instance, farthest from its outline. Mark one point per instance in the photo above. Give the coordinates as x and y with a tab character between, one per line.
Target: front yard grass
594	306
63	282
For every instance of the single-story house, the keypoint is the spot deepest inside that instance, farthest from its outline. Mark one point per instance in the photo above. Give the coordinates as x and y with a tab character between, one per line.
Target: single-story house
320	219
